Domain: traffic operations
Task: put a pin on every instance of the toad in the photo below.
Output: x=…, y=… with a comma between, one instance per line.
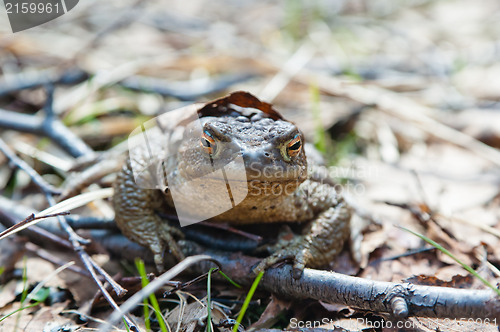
x=237, y=161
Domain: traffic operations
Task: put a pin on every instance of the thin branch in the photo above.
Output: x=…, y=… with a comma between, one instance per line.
x=29, y=80
x=91, y=175
x=9, y=217
x=26, y=223
x=54, y=130
x=42, y=253
x=182, y=285
x=85, y=222
x=378, y=296
x=37, y=179
x=89, y=265
x=185, y=91
x=49, y=126
x=398, y=299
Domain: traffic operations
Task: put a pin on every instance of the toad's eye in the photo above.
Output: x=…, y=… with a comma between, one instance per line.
x=208, y=142
x=292, y=148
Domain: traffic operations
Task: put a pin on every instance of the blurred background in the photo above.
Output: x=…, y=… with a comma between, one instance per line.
x=401, y=97
x=441, y=54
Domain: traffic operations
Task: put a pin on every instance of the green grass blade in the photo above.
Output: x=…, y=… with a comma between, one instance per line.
x=159, y=316
x=18, y=310
x=209, y=296
x=144, y=282
x=152, y=298
x=247, y=300
x=24, y=293
x=229, y=279
x=25, y=281
x=126, y=325
x=446, y=252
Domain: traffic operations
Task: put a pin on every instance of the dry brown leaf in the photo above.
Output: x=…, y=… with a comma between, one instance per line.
x=271, y=314
x=457, y=281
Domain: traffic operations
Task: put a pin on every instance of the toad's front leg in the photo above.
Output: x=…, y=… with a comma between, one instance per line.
x=136, y=216
x=321, y=241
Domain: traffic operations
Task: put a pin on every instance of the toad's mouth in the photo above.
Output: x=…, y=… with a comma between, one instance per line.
x=240, y=174
x=253, y=182
x=238, y=190
x=225, y=177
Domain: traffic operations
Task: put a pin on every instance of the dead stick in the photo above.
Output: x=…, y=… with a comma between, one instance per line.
x=49, y=126
x=53, y=129
x=30, y=79
x=398, y=299
x=21, y=164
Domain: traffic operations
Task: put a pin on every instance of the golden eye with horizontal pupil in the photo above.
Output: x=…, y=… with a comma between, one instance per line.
x=292, y=148
x=208, y=142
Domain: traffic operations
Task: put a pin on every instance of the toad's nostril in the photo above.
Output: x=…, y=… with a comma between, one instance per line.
x=267, y=154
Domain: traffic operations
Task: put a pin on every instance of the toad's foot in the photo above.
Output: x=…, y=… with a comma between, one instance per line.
x=297, y=250
x=323, y=239
x=157, y=235
x=168, y=237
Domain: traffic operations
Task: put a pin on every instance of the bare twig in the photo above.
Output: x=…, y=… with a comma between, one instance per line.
x=42, y=253
x=85, y=222
x=89, y=265
x=185, y=91
x=92, y=267
x=90, y=175
x=49, y=126
x=30, y=80
x=26, y=223
x=398, y=299
x=52, y=128
x=11, y=212
x=182, y=285
x=37, y=179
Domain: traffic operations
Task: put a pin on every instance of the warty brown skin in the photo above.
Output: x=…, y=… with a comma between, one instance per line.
x=284, y=193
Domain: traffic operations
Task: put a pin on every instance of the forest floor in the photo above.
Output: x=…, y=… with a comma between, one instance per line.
x=402, y=97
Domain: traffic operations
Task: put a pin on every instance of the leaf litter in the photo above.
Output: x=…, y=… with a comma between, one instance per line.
x=438, y=55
